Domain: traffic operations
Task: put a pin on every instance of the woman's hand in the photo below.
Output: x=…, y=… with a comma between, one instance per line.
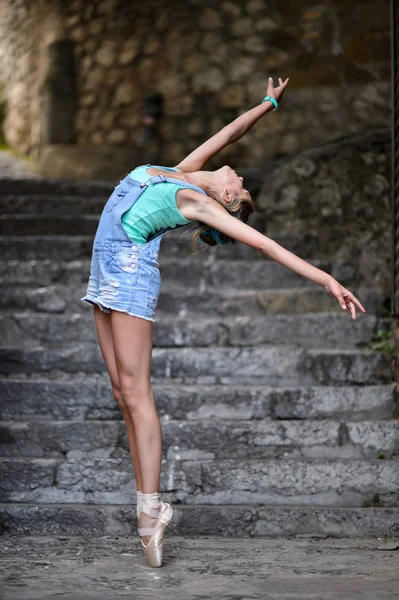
x=277, y=92
x=230, y=133
x=346, y=299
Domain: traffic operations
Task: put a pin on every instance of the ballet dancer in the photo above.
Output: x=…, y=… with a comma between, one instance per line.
x=125, y=281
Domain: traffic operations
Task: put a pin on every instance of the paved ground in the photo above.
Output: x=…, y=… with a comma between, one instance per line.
x=108, y=567
x=14, y=167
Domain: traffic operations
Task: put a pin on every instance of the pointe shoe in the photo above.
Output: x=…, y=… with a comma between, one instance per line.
x=154, y=548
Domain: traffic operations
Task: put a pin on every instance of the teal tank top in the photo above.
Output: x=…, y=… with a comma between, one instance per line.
x=155, y=209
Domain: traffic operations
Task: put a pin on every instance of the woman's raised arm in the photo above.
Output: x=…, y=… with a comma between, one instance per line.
x=231, y=132
x=213, y=214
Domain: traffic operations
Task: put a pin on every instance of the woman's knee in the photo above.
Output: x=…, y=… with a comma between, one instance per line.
x=117, y=393
x=136, y=395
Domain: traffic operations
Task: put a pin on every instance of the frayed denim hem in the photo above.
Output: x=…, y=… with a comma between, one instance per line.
x=102, y=304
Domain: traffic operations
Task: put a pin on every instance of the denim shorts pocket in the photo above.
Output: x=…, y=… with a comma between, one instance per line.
x=125, y=260
x=154, y=289
x=117, y=195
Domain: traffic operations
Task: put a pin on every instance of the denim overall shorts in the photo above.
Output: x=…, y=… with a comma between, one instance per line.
x=124, y=276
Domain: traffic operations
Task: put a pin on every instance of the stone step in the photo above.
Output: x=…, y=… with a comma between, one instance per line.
x=21, y=245
x=225, y=520
x=187, y=273
x=13, y=190
x=72, y=217
x=36, y=224
x=37, y=229
x=337, y=482
x=28, y=188
x=274, y=365
x=60, y=298
x=19, y=235
x=39, y=247
x=329, y=330
x=48, y=207
x=90, y=398
x=205, y=438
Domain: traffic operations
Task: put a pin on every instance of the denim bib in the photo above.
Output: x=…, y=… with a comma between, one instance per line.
x=125, y=276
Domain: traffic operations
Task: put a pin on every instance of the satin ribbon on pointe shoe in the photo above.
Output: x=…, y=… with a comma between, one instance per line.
x=138, y=504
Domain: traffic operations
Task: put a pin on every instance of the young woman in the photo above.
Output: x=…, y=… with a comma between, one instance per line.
x=124, y=285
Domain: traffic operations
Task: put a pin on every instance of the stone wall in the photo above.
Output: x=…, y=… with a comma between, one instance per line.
x=339, y=196
x=210, y=60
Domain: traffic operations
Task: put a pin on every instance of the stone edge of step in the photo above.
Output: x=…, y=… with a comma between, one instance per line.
x=233, y=520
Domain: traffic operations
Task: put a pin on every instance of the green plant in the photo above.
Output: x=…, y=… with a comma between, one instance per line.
x=382, y=342
x=375, y=501
x=380, y=454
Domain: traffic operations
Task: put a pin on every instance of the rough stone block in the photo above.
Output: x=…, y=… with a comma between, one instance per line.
x=90, y=398
x=212, y=438
x=347, y=482
x=314, y=331
x=276, y=365
x=226, y=521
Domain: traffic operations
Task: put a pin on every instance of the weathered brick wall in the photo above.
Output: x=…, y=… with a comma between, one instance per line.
x=211, y=61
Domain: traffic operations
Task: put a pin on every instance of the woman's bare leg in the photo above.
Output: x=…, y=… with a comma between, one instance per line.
x=104, y=334
x=132, y=342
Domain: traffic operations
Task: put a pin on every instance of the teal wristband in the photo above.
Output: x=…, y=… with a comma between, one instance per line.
x=272, y=100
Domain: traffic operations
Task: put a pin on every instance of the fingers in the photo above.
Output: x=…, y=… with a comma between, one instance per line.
x=351, y=303
x=341, y=300
x=352, y=310
x=278, y=91
x=280, y=81
x=345, y=298
x=353, y=299
x=356, y=301
x=350, y=307
x=348, y=302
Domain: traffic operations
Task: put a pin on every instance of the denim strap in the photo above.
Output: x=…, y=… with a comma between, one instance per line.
x=161, y=178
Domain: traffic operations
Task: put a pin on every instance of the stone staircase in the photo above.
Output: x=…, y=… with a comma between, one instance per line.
x=277, y=419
